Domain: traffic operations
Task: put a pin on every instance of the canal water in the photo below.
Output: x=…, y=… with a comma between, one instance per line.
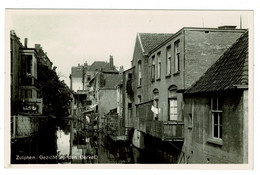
x=59, y=143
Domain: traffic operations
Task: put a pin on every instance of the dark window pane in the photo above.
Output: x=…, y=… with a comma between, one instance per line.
x=220, y=103
x=129, y=105
x=29, y=64
x=215, y=130
x=23, y=93
x=215, y=116
x=23, y=65
x=220, y=118
x=29, y=93
x=130, y=75
x=214, y=104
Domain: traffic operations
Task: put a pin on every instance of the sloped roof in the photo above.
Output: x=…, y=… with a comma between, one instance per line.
x=111, y=80
x=229, y=70
x=98, y=65
x=150, y=40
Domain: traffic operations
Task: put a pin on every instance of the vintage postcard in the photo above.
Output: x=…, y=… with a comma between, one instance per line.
x=167, y=89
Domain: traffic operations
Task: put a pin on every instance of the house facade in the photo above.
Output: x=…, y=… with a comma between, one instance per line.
x=84, y=81
x=216, y=110
x=24, y=87
x=26, y=102
x=164, y=66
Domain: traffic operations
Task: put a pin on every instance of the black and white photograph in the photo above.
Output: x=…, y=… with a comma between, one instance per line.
x=93, y=86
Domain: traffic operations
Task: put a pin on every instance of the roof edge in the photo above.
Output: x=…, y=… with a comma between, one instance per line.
x=140, y=41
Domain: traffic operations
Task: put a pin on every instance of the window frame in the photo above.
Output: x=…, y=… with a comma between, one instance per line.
x=175, y=115
x=158, y=65
x=139, y=73
x=168, y=60
x=172, y=95
x=153, y=69
x=219, y=124
x=177, y=56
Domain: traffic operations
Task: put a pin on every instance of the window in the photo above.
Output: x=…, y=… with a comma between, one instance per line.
x=168, y=60
x=159, y=65
x=88, y=77
x=129, y=75
x=129, y=105
x=216, y=117
x=156, y=103
x=177, y=56
x=26, y=65
x=173, y=103
x=153, y=68
x=139, y=99
x=26, y=93
x=139, y=74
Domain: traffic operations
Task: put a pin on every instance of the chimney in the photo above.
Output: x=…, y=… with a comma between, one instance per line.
x=86, y=64
x=25, y=42
x=13, y=32
x=121, y=69
x=111, y=62
x=37, y=47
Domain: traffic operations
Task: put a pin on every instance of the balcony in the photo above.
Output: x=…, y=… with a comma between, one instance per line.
x=165, y=130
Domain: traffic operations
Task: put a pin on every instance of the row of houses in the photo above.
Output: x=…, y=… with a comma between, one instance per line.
x=94, y=91
x=185, y=95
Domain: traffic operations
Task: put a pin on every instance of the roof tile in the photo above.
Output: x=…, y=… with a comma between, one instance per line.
x=151, y=40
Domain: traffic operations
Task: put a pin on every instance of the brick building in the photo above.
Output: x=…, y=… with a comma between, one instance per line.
x=26, y=102
x=164, y=66
x=24, y=87
x=215, y=110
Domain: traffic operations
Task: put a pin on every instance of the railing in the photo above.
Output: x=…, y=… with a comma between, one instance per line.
x=173, y=131
x=165, y=130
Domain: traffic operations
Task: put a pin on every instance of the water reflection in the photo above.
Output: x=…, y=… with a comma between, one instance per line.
x=61, y=143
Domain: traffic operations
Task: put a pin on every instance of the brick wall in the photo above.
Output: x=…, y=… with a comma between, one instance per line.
x=202, y=49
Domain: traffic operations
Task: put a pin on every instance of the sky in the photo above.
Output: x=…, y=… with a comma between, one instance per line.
x=71, y=37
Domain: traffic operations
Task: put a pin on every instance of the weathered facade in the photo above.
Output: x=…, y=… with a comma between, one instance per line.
x=84, y=81
x=24, y=87
x=215, y=110
x=165, y=65
x=105, y=91
x=26, y=104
